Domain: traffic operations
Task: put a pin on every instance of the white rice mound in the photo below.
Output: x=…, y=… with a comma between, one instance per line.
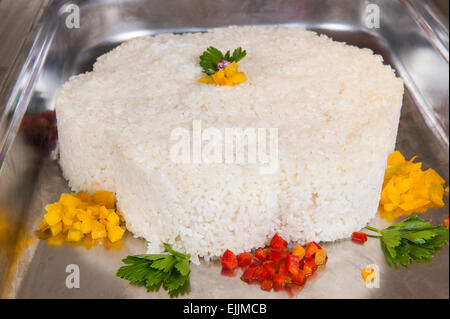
x=336, y=108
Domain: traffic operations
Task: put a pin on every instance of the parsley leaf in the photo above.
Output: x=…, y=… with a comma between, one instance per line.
x=211, y=56
x=171, y=271
x=412, y=239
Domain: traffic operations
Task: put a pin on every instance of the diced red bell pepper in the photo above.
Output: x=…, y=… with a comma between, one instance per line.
x=229, y=260
x=260, y=254
x=249, y=274
x=279, y=281
x=293, y=264
x=359, y=237
x=275, y=255
x=261, y=274
x=310, y=266
x=269, y=266
x=299, y=278
x=244, y=259
x=266, y=285
x=311, y=249
x=282, y=270
x=253, y=265
x=278, y=242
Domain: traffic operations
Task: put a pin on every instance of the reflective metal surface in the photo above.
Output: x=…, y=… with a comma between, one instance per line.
x=410, y=40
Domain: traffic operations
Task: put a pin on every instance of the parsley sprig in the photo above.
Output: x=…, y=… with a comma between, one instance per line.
x=410, y=240
x=211, y=56
x=171, y=271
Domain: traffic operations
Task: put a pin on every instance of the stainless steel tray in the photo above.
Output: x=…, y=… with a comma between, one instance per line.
x=409, y=38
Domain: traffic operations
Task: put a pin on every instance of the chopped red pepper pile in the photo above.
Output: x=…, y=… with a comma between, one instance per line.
x=276, y=266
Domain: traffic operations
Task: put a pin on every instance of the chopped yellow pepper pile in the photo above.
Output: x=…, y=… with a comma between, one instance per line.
x=408, y=189
x=228, y=76
x=82, y=217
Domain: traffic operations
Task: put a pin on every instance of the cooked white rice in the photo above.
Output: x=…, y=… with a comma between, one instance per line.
x=336, y=108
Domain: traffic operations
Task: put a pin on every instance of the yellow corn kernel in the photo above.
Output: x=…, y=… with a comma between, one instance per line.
x=320, y=257
x=104, y=198
x=115, y=233
x=74, y=235
x=56, y=228
x=98, y=230
x=299, y=251
x=446, y=191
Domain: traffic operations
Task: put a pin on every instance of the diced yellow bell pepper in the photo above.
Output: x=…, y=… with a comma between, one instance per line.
x=43, y=225
x=104, y=213
x=57, y=240
x=98, y=230
x=86, y=226
x=56, y=228
x=76, y=225
x=74, y=235
x=69, y=200
x=104, y=198
x=83, y=214
x=52, y=218
x=84, y=196
x=115, y=233
x=112, y=219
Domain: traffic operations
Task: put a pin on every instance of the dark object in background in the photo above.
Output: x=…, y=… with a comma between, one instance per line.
x=39, y=130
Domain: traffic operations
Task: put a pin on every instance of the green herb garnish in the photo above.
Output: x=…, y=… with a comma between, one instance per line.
x=410, y=240
x=171, y=271
x=211, y=56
